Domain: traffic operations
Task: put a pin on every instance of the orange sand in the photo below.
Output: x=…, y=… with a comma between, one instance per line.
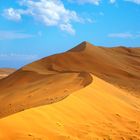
x=99, y=111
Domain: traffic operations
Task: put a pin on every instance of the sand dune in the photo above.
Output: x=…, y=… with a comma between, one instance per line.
x=38, y=90
x=114, y=65
x=104, y=103
x=5, y=72
x=99, y=111
x=54, y=78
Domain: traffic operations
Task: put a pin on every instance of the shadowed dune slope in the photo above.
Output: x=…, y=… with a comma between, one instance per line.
x=114, y=65
x=100, y=111
x=55, y=77
x=30, y=89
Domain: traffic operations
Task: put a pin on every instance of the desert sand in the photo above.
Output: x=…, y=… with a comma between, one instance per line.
x=99, y=111
x=5, y=72
x=93, y=94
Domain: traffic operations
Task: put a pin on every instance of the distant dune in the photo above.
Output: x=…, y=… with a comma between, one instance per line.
x=5, y=72
x=104, y=101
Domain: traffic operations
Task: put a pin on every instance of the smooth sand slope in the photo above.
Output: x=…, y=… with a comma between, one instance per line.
x=97, y=112
x=5, y=72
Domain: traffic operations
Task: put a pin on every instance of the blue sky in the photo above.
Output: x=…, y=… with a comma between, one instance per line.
x=32, y=29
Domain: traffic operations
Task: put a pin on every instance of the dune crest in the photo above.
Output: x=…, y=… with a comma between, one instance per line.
x=114, y=65
x=80, y=47
x=30, y=89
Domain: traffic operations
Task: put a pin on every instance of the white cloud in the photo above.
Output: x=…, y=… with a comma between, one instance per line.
x=68, y=28
x=12, y=14
x=95, y=2
x=134, y=1
x=49, y=12
x=10, y=35
x=124, y=35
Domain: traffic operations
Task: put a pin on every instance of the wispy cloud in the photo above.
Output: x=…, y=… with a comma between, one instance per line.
x=11, y=35
x=134, y=1
x=19, y=57
x=124, y=35
x=98, y=2
x=49, y=12
x=120, y=35
x=95, y=2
